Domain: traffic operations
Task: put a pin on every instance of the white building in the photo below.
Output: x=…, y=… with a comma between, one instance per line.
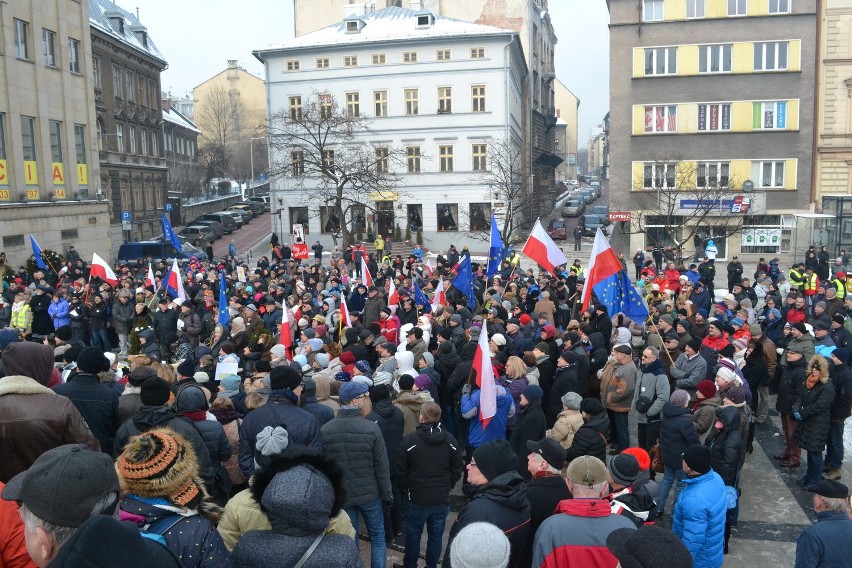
x=442, y=89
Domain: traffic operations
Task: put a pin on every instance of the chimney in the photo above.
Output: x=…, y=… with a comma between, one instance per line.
x=354, y=10
x=416, y=5
x=167, y=105
x=232, y=64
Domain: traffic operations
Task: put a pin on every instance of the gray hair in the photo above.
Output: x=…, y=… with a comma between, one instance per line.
x=833, y=504
x=106, y=505
x=654, y=351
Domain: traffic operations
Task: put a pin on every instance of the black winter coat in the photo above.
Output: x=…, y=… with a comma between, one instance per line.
x=726, y=444
x=841, y=378
x=815, y=407
x=164, y=322
x=543, y=494
x=677, y=432
x=429, y=462
x=791, y=383
x=566, y=380
x=391, y=422
x=98, y=405
x=501, y=502
x=321, y=412
x=583, y=364
x=531, y=425
x=590, y=439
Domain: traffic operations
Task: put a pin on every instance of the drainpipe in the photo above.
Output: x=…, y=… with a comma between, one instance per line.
x=818, y=66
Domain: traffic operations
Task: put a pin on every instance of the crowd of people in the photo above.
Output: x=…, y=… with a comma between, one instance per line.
x=141, y=427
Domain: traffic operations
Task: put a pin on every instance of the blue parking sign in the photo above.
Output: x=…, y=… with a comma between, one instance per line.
x=125, y=215
x=168, y=206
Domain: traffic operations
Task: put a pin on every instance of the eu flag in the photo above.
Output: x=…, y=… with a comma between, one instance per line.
x=37, y=253
x=421, y=299
x=496, y=250
x=464, y=280
x=619, y=296
x=224, y=314
x=170, y=235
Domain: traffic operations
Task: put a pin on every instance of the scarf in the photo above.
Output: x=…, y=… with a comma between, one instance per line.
x=195, y=415
x=225, y=415
x=812, y=381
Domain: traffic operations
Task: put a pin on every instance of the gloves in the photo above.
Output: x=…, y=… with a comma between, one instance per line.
x=797, y=415
x=466, y=390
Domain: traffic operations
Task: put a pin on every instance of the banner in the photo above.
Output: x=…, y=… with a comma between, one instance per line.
x=300, y=248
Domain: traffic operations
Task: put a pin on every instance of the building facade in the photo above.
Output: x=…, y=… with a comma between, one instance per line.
x=48, y=161
x=712, y=105
x=441, y=91
x=567, y=110
x=180, y=150
x=127, y=67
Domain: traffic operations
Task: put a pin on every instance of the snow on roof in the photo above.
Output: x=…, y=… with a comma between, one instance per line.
x=98, y=10
x=561, y=121
x=176, y=117
x=385, y=25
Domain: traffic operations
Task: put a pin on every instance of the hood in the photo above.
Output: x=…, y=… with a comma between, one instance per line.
x=596, y=339
x=150, y=417
x=29, y=359
x=306, y=511
x=351, y=336
x=729, y=416
x=599, y=422
x=671, y=411
x=431, y=434
x=409, y=398
x=816, y=362
x=404, y=361
x=147, y=334
x=383, y=408
x=507, y=490
x=468, y=350
x=549, y=331
x=585, y=507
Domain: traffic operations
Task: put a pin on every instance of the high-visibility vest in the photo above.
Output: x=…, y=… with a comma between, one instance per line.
x=841, y=287
x=796, y=278
x=811, y=284
x=20, y=318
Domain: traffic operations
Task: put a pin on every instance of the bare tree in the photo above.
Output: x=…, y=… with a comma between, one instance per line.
x=676, y=201
x=326, y=151
x=213, y=159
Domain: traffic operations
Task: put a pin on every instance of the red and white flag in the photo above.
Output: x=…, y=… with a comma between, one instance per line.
x=149, y=280
x=286, y=339
x=393, y=296
x=440, y=297
x=344, y=312
x=101, y=268
x=175, y=283
x=541, y=248
x=366, y=278
x=485, y=379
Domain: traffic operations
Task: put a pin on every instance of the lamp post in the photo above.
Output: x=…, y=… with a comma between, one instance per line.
x=251, y=159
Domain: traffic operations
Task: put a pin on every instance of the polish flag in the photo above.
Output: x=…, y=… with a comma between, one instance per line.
x=366, y=278
x=344, y=312
x=286, y=338
x=440, y=297
x=175, y=282
x=101, y=268
x=393, y=296
x=485, y=379
x=427, y=267
x=541, y=248
x=149, y=280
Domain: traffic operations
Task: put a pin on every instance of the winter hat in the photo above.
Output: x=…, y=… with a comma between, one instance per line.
x=229, y=382
x=202, y=376
x=269, y=443
x=92, y=360
x=284, y=377
x=533, y=393
x=352, y=390
x=429, y=358
x=379, y=392
x=736, y=395
x=495, y=458
x=187, y=368
x=474, y=332
x=343, y=377
x=641, y=455
x=727, y=351
x=706, y=388
x=315, y=344
x=800, y=327
x=161, y=463
x=499, y=339
x=423, y=382
x=740, y=344
x=278, y=351
x=525, y=319
x=154, y=392
x=573, y=337
x=624, y=469
x=841, y=354
x=694, y=344
x=406, y=382
x=572, y=400
x=543, y=347
x=587, y=470
x=310, y=333
x=679, y=397
x=139, y=374
x=191, y=398
x=480, y=545
x=726, y=374
x=775, y=312
x=667, y=318
x=592, y=406
x=8, y=336
x=703, y=312
x=755, y=329
x=64, y=332
x=737, y=322
x=648, y=547
x=569, y=357
x=347, y=358
x=698, y=458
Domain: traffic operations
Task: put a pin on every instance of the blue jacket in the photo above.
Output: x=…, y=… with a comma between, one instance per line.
x=59, y=312
x=496, y=429
x=826, y=543
x=699, y=519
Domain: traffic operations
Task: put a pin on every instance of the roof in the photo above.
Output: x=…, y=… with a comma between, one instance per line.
x=98, y=10
x=176, y=117
x=386, y=25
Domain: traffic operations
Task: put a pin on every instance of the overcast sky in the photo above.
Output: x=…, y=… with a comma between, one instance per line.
x=197, y=37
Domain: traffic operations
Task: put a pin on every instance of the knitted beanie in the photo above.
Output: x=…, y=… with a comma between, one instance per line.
x=269, y=443
x=480, y=545
x=706, y=388
x=160, y=463
x=624, y=468
x=679, y=397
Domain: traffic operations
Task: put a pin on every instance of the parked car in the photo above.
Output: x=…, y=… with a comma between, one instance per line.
x=573, y=208
x=595, y=185
x=574, y=183
x=256, y=206
x=557, y=230
x=590, y=224
x=237, y=217
x=589, y=193
x=248, y=212
x=158, y=250
x=601, y=210
x=228, y=223
x=198, y=235
x=261, y=199
x=218, y=230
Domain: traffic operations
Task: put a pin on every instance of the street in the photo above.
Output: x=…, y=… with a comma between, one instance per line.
x=246, y=238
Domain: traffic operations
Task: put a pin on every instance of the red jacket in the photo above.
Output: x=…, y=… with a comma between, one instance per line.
x=389, y=329
x=13, y=547
x=795, y=315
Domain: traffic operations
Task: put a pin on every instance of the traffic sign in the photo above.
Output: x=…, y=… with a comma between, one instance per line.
x=125, y=215
x=169, y=207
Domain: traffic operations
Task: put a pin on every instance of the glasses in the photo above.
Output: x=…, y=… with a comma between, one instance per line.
x=647, y=357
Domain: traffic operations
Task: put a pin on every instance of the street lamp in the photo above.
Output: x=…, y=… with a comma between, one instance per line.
x=251, y=159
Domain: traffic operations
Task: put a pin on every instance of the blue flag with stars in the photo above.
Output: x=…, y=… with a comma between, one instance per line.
x=37, y=253
x=496, y=250
x=464, y=280
x=421, y=299
x=618, y=295
x=224, y=314
x=170, y=235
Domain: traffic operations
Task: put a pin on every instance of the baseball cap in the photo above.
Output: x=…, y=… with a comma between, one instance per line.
x=587, y=470
x=550, y=450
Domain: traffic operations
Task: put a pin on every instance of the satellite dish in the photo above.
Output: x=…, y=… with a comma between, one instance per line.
x=748, y=186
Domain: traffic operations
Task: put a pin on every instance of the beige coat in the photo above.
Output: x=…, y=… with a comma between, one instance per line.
x=567, y=424
x=232, y=466
x=409, y=402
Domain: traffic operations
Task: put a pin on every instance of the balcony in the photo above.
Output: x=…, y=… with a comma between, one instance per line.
x=548, y=71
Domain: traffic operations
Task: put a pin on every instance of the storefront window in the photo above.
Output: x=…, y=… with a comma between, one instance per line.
x=415, y=217
x=448, y=214
x=329, y=220
x=299, y=215
x=480, y=216
x=762, y=235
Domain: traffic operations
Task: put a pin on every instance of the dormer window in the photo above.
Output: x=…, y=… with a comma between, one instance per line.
x=354, y=25
x=116, y=20
x=351, y=26
x=425, y=20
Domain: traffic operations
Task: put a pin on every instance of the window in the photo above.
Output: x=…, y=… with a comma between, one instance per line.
x=443, y=55
x=445, y=153
x=779, y=6
x=448, y=214
x=353, y=104
x=480, y=216
x=325, y=105
x=652, y=10
x=409, y=57
x=658, y=175
x=155, y=145
x=141, y=97
x=96, y=71
x=329, y=220
x=695, y=8
x=382, y=160
x=74, y=55
x=713, y=174
x=480, y=157
x=477, y=96
x=769, y=115
x=412, y=102
x=714, y=117
x=768, y=174
x=119, y=137
x=379, y=58
x=445, y=100
x=322, y=63
x=22, y=39
x=131, y=146
x=297, y=163
x=380, y=100
x=412, y=156
x=116, y=81
x=660, y=61
x=351, y=26
x=55, y=128
x=714, y=58
x=299, y=216
x=69, y=234
x=294, y=65
x=737, y=7
x=48, y=40
x=477, y=53
x=328, y=159
x=415, y=217
x=770, y=56
x=28, y=138
x=144, y=146
x=661, y=118
x=296, y=108
x=13, y=241
x=128, y=84
x=350, y=61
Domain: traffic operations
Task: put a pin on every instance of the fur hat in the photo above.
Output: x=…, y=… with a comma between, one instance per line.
x=139, y=374
x=92, y=360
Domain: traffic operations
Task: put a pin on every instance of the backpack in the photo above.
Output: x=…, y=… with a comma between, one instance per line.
x=155, y=531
